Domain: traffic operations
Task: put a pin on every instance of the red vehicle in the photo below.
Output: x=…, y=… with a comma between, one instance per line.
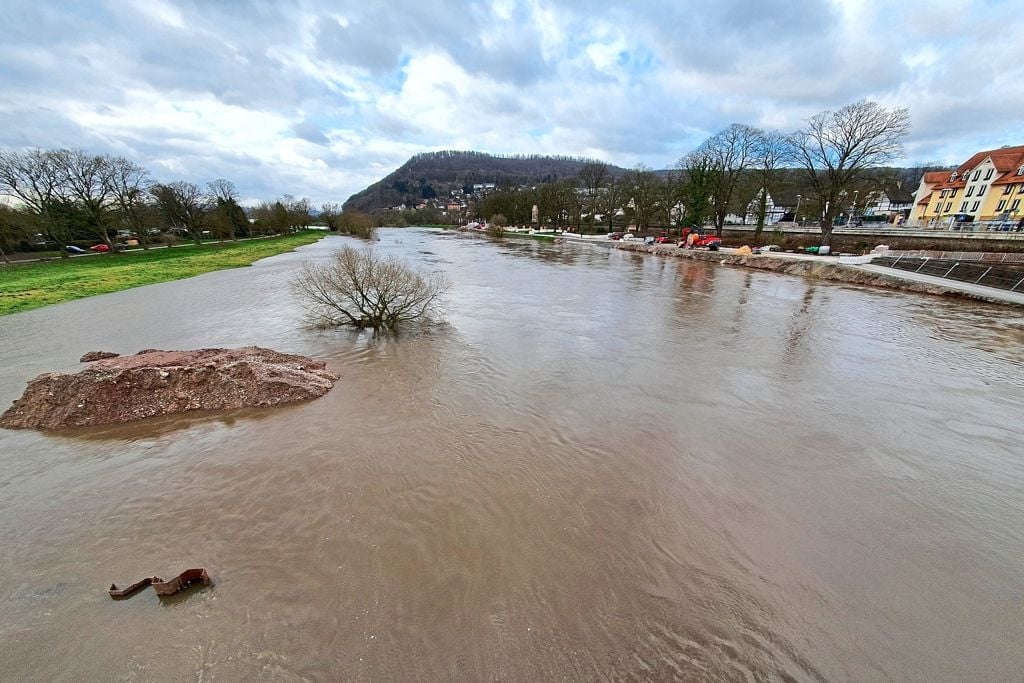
x=102, y=248
x=701, y=240
x=710, y=241
x=663, y=238
x=615, y=236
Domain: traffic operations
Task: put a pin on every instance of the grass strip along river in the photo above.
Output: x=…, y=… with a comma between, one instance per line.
x=41, y=283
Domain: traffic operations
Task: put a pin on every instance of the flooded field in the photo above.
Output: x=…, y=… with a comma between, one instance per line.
x=607, y=466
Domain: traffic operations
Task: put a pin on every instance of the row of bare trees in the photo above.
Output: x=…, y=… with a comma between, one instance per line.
x=66, y=194
x=835, y=154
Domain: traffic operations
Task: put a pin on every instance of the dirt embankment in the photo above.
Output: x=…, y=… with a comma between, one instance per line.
x=824, y=269
x=120, y=389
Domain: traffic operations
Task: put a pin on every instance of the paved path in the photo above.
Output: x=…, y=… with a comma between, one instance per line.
x=975, y=290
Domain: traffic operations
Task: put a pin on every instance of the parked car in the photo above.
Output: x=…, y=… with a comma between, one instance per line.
x=663, y=239
x=615, y=235
x=72, y=249
x=101, y=248
x=629, y=236
x=768, y=248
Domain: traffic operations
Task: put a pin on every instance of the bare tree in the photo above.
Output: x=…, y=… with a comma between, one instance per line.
x=358, y=288
x=228, y=216
x=86, y=181
x=836, y=148
x=730, y=152
x=358, y=224
x=496, y=226
x=331, y=215
x=298, y=212
x=645, y=192
x=129, y=182
x=32, y=178
x=13, y=227
x=554, y=202
x=612, y=198
x=700, y=178
x=184, y=206
x=772, y=150
x=593, y=177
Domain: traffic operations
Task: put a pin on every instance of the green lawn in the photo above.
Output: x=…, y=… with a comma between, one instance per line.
x=32, y=285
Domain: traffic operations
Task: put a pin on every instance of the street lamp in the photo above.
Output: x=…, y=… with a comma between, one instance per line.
x=795, y=212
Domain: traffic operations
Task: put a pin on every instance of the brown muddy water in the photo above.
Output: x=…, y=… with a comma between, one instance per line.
x=609, y=466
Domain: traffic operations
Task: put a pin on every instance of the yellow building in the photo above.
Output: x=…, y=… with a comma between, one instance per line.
x=988, y=190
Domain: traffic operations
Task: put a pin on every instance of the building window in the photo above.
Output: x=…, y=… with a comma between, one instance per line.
x=1020, y=171
x=1001, y=205
x=975, y=207
x=1020, y=190
x=949, y=205
x=963, y=208
x=1008, y=189
x=943, y=193
x=938, y=206
x=952, y=176
x=988, y=173
x=977, y=174
x=952, y=193
x=970, y=191
x=1015, y=205
x=981, y=190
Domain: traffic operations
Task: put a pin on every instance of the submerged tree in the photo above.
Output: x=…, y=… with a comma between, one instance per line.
x=358, y=288
x=496, y=226
x=358, y=224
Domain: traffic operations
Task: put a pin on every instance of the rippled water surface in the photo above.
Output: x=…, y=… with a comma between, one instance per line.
x=608, y=466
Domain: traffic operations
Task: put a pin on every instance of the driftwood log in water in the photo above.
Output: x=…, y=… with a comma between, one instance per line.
x=161, y=587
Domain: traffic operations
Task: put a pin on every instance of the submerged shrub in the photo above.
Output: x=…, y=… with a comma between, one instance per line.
x=359, y=288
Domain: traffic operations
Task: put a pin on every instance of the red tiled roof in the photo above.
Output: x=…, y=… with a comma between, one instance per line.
x=1008, y=162
x=936, y=176
x=981, y=156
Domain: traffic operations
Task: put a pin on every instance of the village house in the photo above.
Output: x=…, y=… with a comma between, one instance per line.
x=779, y=207
x=894, y=204
x=987, y=189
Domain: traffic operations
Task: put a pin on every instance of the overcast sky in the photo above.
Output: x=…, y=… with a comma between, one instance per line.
x=321, y=99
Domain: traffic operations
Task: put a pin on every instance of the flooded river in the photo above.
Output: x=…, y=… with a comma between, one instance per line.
x=608, y=466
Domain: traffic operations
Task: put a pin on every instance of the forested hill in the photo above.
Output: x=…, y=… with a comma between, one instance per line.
x=435, y=174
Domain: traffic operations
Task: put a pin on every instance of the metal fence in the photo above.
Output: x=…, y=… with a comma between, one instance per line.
x=1009, y=276
x=986, y=256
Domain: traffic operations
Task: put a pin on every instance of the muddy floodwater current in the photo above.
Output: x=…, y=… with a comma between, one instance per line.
x=607, y=466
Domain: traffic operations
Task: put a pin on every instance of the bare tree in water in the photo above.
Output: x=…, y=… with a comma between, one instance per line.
x=359, y=288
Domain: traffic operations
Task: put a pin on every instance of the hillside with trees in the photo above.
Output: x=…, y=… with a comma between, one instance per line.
x=830, y=171
x=436, y=174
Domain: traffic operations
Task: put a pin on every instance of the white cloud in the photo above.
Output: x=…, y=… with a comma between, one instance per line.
x=283, y=98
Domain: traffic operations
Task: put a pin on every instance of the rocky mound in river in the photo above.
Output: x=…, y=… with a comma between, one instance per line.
x=153, y=382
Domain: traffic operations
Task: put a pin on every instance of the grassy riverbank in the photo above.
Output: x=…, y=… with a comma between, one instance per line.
x=31, y=285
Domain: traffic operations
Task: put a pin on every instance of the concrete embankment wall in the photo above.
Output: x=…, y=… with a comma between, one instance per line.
x=938, y=241
x=823, y=269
